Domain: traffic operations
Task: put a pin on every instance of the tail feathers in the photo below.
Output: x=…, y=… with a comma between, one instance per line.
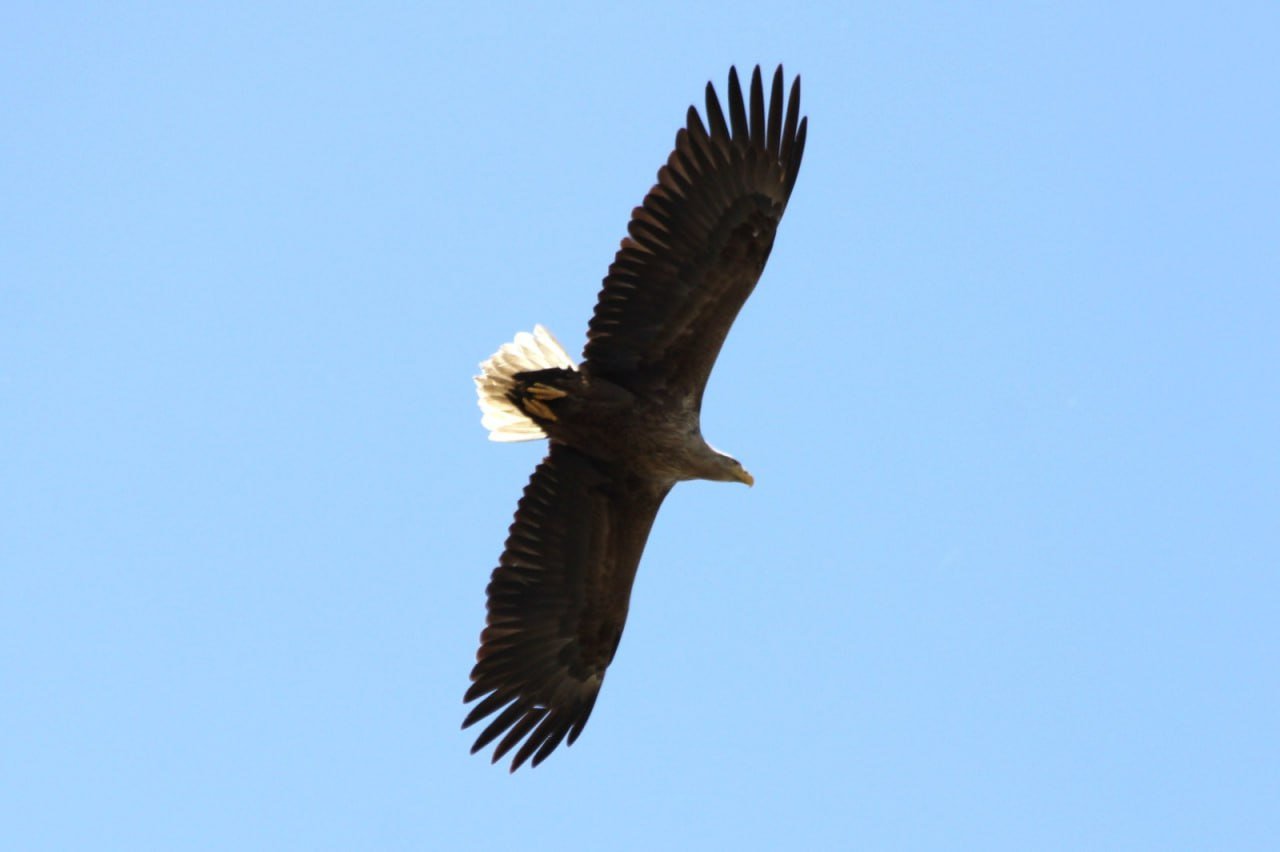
x=527, y=353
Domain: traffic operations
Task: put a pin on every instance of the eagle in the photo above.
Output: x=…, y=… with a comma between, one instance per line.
x=623, y=426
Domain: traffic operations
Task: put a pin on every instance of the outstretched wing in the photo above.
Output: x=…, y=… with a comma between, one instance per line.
x=557, y=602
x=698, y=244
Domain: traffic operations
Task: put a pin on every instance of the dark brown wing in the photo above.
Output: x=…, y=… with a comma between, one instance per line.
x=557, y=602
x=699, y=243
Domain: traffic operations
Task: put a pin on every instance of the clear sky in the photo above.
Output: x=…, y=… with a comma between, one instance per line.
x=1010, y=388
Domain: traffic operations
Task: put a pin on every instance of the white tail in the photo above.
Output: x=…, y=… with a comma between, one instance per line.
x=528, y=352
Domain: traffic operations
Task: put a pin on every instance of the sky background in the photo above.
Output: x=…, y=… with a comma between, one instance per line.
x=1010, y=388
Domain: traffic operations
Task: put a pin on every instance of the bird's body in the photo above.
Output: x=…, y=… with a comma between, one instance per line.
x=624, y=425
x=652, y=436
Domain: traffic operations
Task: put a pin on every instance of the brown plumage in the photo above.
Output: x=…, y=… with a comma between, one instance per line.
x=624, y=425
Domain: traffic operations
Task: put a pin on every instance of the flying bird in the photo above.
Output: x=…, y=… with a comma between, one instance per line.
x=623, y=426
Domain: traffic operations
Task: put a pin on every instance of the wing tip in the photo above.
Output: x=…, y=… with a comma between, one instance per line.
x=772, y=124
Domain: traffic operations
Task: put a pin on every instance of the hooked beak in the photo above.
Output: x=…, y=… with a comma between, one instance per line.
x=745, y=478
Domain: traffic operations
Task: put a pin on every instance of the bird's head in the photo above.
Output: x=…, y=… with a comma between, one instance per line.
x=729, y=469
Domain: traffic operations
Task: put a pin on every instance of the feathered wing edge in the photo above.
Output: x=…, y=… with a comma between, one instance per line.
x=527, y=353
x=557, y=604
x=697, y=245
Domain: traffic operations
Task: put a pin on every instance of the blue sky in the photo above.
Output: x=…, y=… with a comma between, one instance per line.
x=1010, y=388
